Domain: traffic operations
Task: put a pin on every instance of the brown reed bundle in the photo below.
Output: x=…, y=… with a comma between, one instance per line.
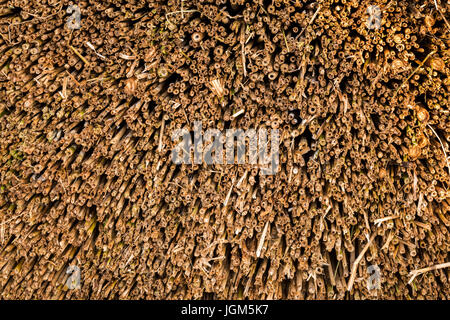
x=87, y=183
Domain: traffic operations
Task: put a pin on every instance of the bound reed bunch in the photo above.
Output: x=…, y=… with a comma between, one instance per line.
x=88, y=107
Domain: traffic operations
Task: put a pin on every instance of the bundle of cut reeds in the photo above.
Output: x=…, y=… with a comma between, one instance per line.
x=91, y=94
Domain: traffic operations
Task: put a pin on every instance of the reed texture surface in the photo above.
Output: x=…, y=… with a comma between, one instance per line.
x=92, y=206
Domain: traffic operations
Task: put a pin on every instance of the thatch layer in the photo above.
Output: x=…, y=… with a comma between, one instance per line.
x=88, y=107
